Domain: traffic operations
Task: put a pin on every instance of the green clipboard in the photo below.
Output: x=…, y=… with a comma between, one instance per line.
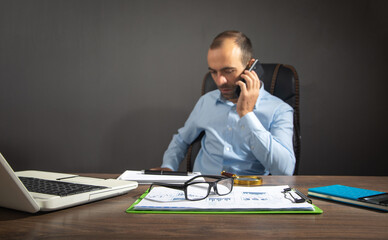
x=131, y=209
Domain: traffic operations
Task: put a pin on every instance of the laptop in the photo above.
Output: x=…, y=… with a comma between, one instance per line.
x=33, y=191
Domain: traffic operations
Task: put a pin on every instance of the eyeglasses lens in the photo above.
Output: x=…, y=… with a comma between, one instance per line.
x=224, y=186
x=197, y=191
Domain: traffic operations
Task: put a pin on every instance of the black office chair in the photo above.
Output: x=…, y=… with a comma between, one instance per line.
x=280, y=80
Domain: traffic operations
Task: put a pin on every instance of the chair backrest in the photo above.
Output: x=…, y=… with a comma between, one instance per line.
x=281, y=81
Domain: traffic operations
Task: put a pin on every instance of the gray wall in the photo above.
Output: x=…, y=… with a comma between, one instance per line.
x=101, y=86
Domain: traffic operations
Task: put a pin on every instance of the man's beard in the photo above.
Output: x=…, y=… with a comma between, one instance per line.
x=231, y=91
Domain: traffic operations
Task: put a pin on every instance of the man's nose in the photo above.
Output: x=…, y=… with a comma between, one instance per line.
x=220, y=79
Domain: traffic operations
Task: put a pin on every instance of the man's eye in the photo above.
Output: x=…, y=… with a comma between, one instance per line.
x=229, y=71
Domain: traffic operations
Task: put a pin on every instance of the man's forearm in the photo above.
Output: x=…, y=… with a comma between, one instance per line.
x=175, y=153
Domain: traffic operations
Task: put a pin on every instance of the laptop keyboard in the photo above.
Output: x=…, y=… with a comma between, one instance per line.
x=55, y=187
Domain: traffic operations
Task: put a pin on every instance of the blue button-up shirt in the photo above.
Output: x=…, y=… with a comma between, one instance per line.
x=259, y=143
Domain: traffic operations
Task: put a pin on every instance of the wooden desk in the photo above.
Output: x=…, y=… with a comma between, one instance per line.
x=107, y=219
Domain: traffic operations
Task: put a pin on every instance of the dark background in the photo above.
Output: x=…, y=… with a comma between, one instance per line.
x=101, y=86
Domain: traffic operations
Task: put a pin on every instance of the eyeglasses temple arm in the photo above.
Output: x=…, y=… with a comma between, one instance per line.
x=169, y=185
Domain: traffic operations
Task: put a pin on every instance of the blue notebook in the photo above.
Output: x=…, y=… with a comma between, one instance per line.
x=351, y=195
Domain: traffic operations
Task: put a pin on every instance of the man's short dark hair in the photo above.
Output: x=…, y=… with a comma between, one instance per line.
x=240, y=39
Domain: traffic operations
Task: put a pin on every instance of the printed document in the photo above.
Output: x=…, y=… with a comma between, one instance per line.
x=241, y=198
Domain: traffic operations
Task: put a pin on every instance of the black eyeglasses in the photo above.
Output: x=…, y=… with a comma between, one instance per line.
x=199, y=187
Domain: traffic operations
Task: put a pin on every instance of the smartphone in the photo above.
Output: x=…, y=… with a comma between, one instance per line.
x=380, y=199
x=250, y=68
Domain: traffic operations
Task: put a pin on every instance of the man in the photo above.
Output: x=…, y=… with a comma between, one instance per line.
x=246, y=135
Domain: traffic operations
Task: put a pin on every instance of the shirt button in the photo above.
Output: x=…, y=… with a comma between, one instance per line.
x=227, y=149
x=242, y=126
x=229, y=128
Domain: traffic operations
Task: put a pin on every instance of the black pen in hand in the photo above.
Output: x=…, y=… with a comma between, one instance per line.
x=161, y=172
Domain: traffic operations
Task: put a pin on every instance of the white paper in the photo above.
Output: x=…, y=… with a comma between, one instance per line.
x=142, y=178
x=249, y=198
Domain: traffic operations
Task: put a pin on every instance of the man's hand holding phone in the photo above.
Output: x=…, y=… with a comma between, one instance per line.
x=249, y=92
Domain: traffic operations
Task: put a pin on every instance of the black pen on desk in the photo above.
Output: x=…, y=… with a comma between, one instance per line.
x=161, y=172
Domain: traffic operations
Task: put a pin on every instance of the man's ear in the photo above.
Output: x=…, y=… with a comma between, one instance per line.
x=251, y=62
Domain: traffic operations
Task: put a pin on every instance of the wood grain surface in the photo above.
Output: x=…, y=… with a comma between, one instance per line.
x=107, y=219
